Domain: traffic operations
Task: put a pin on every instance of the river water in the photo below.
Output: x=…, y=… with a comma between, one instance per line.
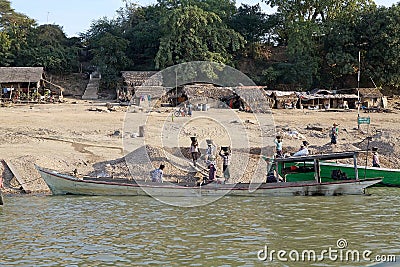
x=233, y=231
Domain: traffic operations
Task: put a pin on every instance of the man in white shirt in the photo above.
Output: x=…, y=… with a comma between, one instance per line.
x=302, y=152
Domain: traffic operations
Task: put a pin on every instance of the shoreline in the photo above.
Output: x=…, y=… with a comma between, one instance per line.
x=88, y=137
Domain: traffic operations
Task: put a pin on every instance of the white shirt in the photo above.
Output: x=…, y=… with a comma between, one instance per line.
x=302, y=152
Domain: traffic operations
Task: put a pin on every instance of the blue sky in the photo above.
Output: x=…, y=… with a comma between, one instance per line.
x=75, y=16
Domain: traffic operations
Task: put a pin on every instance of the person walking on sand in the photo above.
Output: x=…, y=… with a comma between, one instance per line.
x=190, y=108
x=157, y=174
x=334, y=133
x=278, y=148
x=375, y=158
x=226, y=157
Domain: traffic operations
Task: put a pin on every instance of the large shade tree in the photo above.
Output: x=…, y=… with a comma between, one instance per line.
x=14, y=28
x=190, y=34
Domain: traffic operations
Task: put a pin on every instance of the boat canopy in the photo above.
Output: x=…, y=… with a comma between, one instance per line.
x=330, y=156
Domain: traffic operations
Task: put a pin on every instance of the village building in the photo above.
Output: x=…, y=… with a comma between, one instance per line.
x=20, y=82
x=283, y=99
x=27, y=84
x=326, y=99
x=140, y=86
x=371, y=98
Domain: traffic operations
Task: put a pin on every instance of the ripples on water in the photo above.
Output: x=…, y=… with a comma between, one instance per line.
x=140, y=231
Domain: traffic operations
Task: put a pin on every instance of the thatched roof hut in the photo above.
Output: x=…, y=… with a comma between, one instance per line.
x=371, y=97
x=143, y=83
x=20, y=75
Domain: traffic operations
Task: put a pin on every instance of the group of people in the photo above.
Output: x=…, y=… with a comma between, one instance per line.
x=186, y=110
x=210, y=158
x=303, y=151
x=210, y=161
x=225, y=153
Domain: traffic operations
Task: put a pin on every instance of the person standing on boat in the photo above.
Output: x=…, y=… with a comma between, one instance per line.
x=375, y=158
x=334, y=133
x=226, y=157
x=212, y=172
x=278, y=143
x=194, y=149
x=157, y=174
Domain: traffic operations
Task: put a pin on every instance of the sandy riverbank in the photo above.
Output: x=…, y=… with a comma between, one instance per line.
x=72, y=136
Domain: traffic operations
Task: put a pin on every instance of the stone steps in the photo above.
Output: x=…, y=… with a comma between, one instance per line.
x=92, y=89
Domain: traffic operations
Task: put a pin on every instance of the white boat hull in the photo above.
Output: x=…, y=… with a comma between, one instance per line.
x=61, y=184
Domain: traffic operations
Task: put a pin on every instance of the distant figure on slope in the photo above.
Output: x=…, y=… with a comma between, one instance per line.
x=334, y=133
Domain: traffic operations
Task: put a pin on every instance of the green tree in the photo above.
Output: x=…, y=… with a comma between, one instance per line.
x=250, y=22
x=190, y=34
x=379, y=44
x=107, y=47
x=48, y=46
x=14, y=28
x=141, y=28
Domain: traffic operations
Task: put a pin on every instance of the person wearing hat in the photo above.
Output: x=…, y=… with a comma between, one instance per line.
x=334, y=133
x=375, y=158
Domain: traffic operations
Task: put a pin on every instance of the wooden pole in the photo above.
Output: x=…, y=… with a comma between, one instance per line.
x=317, y=169
x=355, y=166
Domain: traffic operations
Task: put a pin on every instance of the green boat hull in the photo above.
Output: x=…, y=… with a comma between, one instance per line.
x=391, y=177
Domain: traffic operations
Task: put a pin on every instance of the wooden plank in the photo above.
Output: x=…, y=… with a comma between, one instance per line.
x=20, y=180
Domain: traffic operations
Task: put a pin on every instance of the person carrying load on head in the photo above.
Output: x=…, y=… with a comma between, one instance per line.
x=210, y=153
x=225, y=153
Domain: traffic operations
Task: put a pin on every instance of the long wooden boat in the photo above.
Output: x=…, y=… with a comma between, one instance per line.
x=62, y=184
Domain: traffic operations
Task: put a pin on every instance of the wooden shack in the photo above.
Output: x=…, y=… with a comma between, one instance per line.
x=141, y=85
x=284, y=99
x=371, y=97
x=20, y=81
x=326, y=99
